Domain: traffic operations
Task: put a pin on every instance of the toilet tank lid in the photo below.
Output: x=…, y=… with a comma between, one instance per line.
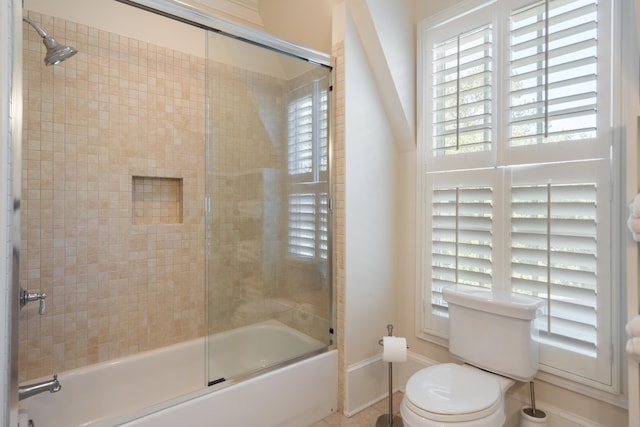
x=503, y=303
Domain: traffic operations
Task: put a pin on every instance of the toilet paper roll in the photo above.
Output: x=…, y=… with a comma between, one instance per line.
x=633, y=327
x=634, y=207
x=634, y=224
x=633, y=348
x=395, y=349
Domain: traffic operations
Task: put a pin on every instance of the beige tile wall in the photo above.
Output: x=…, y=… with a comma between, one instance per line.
x=251, y=277
x=119, y=108
x=240, y=154
x=339, y=215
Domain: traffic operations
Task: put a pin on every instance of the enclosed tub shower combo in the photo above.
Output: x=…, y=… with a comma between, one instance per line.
x=176, y=219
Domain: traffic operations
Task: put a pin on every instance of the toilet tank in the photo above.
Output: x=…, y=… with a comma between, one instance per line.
x=494, y=330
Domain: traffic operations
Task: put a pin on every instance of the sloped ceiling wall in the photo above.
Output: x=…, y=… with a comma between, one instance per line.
x=387, y=33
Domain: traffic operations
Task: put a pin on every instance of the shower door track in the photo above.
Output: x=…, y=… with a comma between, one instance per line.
x=190, y=15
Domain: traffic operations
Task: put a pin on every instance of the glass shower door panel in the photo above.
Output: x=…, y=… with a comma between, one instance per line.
x=268, y=218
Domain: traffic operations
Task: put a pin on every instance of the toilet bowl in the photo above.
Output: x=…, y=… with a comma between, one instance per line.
x=454, y=395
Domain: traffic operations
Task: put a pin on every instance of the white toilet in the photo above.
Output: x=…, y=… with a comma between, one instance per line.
x=494, y=334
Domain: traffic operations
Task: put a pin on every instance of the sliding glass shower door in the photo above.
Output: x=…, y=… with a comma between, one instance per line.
x=268, y=207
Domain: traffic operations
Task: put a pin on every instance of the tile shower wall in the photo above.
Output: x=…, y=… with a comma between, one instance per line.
x=119, y=109
x=339, y=217
x=113, y=189
x=244, y=157
x=251, y=278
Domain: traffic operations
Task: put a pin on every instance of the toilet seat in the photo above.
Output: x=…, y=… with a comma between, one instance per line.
x=453, y=393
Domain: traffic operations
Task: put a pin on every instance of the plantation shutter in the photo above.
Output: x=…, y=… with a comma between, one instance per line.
x=308, y=145
x=554, y=72
x=462, y=93
x=302, y=224
x=461, y=240
x=554, y=255
x=323, y=132
x=300, y=131
x=322, y=169
x=522, y=201
x=323, y=227
x=308, y=212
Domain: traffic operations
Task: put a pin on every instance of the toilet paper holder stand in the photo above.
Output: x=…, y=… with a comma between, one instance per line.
x=389, y=420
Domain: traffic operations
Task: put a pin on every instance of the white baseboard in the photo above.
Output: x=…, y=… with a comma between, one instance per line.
x=367, y=384
x=368, y=380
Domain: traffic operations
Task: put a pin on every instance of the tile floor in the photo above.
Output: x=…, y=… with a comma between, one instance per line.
x=365, y=418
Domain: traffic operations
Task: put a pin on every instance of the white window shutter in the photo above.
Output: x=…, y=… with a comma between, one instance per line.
x=560, y=251
x=462, y=93
x=308, y=206
x=461, y=240
x=323, y=132
x=323, y=226
x=302, y=224
x=308, y=225
x=553, y=72
x=300, y=131
x=554, y=256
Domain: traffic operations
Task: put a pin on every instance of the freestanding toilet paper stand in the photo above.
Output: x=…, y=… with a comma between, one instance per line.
x=389, y=420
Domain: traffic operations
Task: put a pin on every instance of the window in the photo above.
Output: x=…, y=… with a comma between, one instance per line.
x=554, y=253
x=462, y=92
x=553, y=72
x=308, y=224
x=515, y=170
x=307, y=169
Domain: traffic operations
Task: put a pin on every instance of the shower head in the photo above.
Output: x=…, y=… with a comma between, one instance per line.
x=56, y=52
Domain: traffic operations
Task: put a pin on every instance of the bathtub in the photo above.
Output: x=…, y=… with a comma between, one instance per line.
x=141, y=390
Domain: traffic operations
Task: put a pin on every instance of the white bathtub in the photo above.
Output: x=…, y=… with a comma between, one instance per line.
x=255, y=347
x=141, y=390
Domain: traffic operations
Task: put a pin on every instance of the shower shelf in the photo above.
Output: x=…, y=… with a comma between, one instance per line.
x=156, y=200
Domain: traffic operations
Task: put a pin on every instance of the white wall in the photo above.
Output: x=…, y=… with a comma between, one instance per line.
x=373, y=169
x=370, y=222
x=305, y=22
x=397, y=36
x=370, y=217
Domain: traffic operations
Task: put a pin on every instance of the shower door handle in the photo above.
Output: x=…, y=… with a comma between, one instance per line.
x=26, y=297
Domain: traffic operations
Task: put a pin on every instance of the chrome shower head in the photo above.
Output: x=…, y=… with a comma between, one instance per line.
x=56, y=52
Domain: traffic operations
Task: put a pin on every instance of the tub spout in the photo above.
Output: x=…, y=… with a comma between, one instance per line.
x=51, y=386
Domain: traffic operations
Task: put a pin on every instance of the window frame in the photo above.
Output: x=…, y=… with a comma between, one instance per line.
x=498, y=158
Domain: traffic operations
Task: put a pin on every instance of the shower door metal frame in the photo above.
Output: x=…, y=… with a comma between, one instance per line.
x=11, y=80
x=191, y=15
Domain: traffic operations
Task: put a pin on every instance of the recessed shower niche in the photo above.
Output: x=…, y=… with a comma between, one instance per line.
x=156, y=200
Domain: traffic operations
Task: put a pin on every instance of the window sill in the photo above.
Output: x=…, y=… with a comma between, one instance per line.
x=610, y=397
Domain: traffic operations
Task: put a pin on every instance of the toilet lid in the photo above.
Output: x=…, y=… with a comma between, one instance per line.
x=452, y=390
